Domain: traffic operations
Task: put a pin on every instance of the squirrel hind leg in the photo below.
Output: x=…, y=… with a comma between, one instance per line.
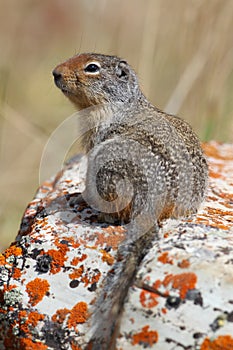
x=117, y=218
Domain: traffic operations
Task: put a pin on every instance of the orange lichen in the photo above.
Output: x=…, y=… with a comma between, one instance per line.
x=219, y=212
x=9, y=340
x=165, y=259
x=60, y=315
x=221, y=226
x=148, y=299
x=59, y=256
x=223, y=342
x=227, y=204
x=213, y=222
x=211, y=150
x=2, y=259
x=111, y=236
x=164, y=310
x=28, y=321
x=146, y=337
x=76, y=260
x=63, y=247
x=75, y=347
x=9, y=287
x=183, y=264
x=183, y=282
x=26, y=343
x=93, y=279
x=13, y=250
x=157, y=284
x=36, y=290
x=225, y=195
x=47, y=184
x=22, y=320
x=16, y=273
x=77, y=273
x=215, y=175
x=58, y=259
x=90, y=247
x=34, y=317
x=22, y=314
x=72, y=241
x=108, y=258
x=41, y=223
x=78, y=314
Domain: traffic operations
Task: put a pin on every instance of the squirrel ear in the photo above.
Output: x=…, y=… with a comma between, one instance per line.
x=122, y=70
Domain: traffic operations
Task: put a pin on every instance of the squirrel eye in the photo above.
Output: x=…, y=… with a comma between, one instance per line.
x=92, y=68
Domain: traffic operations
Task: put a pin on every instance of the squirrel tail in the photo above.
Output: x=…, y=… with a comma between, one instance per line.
x=108, y=309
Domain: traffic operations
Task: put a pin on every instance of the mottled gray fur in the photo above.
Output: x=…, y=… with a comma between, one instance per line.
x=139, y=158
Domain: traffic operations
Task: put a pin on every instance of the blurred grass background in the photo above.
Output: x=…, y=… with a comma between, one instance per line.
x=182, y=51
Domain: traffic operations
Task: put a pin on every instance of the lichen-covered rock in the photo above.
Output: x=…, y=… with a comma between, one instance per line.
x=182, y=297
x=183, y=293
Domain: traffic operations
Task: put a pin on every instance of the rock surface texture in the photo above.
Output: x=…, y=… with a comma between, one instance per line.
x=182, y=297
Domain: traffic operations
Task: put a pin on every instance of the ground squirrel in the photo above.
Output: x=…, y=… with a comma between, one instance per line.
x=143, y=166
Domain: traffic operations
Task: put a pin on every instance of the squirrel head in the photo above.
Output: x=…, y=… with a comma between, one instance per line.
x=91, y=79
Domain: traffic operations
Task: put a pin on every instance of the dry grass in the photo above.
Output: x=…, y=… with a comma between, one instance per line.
x=182, y=50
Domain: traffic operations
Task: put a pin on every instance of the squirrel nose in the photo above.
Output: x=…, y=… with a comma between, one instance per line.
x=57, y=76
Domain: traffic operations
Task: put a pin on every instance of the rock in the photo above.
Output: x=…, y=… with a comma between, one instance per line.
x=182, y=297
